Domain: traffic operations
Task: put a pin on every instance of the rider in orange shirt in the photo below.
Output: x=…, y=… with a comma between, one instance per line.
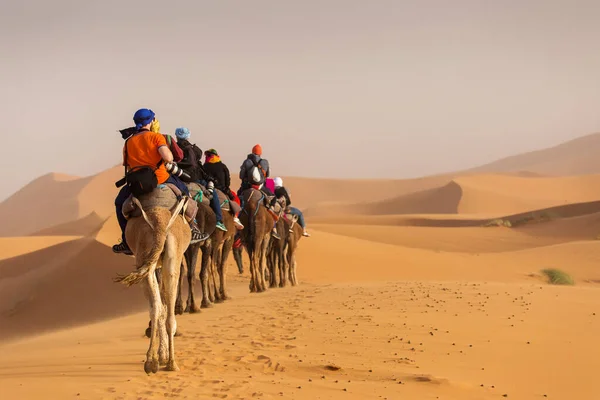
x=146, y=148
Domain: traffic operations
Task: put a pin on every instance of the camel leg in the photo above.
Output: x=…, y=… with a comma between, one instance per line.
x=216, y=260
x=282, y=269
x=163, y=344
x=192, y=257
x=289, y=262
x=284, y=264
x=293, y=278
x=263, y=264
x=204, y=276
x=237, y=254
x=272, y=264
x=170, y=277
x=255, y=265
x=227, y=246
x=179, y=303
x=151, y=364
x=254, y=256
x=212, y=283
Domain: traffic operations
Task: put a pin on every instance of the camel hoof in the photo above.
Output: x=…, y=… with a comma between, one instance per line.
x=151, y=366
x=194, y=309
x=172, y=366
x=179, y=309
x=206, y=304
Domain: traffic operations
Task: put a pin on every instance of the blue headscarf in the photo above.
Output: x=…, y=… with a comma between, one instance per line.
x=143, y=116
x=182, y=133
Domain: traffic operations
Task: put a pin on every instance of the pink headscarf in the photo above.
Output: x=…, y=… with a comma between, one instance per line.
x=270, y=184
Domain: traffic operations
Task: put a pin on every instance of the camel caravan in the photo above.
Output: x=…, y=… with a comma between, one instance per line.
x=173, y=208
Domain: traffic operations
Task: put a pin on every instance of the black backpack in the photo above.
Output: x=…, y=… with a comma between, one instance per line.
x=191, y=159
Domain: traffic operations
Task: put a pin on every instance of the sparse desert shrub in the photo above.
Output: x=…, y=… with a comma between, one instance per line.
x=558, y=277
x=536, y=216
x=498, y=222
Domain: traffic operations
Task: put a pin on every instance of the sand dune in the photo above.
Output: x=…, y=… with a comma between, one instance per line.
x=463, y=240
x=65, y=284
x=402, y=287
x=82, y=227
x=54, y=200
x=575, y=157
x=482, y=194
x=68, y=199
x=47, y=201
x=17, y=246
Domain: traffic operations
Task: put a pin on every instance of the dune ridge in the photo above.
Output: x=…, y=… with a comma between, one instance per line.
x=477, y=194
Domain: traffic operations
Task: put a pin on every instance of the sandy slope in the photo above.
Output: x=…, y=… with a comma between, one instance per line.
x=401, y=287
x=479, y=194
x=575, y=157
x=82, y=226
x=54, y=199
x=17, y=246
x=68, y=283
x=399, y=321
x=391, y=340
x=468, y=239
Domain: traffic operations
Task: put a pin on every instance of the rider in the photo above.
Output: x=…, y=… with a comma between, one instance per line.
x=147, y=148
x=250, y=177
x=246, y=169
x=281, y=192
x=172, y=143
x=155, y=127
x=193, y=166
x=214, y=167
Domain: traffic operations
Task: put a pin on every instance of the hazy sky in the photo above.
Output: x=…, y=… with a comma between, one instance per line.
x=329, y=88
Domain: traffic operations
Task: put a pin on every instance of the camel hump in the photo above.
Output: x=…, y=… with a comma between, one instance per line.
x=198, y=192
x=223, y=200
x=163, y=196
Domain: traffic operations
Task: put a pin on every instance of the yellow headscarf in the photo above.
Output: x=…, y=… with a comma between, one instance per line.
x=155, y=126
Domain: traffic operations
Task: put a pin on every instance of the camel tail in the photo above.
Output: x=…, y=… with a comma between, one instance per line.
x=159, y=220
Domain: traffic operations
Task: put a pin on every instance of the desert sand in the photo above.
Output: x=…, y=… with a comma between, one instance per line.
x=408, y=289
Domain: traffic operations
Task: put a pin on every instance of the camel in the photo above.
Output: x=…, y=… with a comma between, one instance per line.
x=206, y=220
x=279, y=263
x=293, y=237
x=256, y=235
x=275, y=256
x=215, y=252
x=158, y=240
x=221, y=244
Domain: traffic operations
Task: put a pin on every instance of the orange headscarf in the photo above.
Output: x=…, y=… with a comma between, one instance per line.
x=257, y=150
